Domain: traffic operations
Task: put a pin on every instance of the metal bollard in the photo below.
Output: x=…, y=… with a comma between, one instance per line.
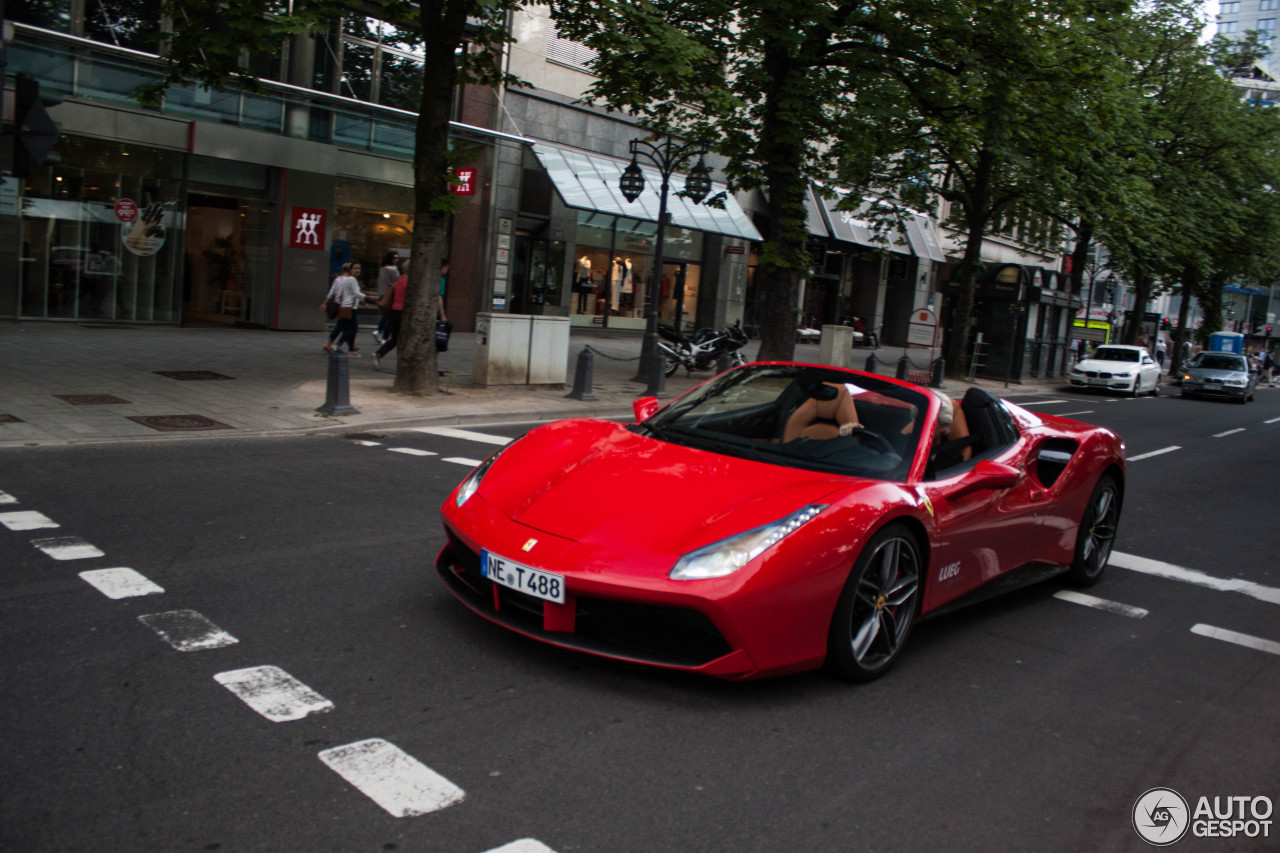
x=873, y=364
x=336, y=399
x=724, y=362
x=939, y=368
x=904, y=366
x=582, y=380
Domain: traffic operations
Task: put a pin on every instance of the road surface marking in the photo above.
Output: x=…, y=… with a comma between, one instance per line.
x=67, y=548
x=462, y=460
x=1100, y=603
x=469, y=435
x=1229, y=432
x=274, y=693
x=1159, y=452
x=1041, y=403
x=363, y=443
x=412, y=451
x=1070, y=414
x=27, y=520
x=120, y=583
x=1239, y=639
x=393, y=779
x=6, y=498
x=187, y=630
x=524, y=845
x=1272, y=421
x=1178, y=573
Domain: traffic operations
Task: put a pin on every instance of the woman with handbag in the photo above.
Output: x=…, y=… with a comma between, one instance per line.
x=346, y=292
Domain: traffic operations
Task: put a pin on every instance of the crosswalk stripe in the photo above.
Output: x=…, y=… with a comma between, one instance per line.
x=120, y=583
x=469, y=435
x=6, y=498
x=523, y=845
x=27, y=520
x=412, y=451
x=67, y=548
x=187, y=630
x=395, y=780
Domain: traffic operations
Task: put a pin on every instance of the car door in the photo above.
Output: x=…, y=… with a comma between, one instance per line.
x=985, y=524
x=1149, y=375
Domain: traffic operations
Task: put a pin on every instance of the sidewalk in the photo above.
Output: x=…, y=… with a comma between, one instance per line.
x=65, y=383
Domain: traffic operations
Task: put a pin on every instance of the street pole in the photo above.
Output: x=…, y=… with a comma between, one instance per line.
x=667, y=157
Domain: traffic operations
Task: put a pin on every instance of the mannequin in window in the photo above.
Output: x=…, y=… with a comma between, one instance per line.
x=621, y=279
x=582, y=283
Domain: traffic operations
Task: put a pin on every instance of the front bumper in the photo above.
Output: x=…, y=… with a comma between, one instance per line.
x=1213, y=389
x=1102, y=383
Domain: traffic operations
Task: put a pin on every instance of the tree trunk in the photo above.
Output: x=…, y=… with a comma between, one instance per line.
x=1189, y=277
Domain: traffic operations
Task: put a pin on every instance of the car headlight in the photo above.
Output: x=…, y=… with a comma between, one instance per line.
x=728, y=555
x=1236, y=383
x=472, y=484
x=1122, y=375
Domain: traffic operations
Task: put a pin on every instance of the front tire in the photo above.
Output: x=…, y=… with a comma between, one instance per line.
x=671, y=365
x=877, y=608
x=1097, y=533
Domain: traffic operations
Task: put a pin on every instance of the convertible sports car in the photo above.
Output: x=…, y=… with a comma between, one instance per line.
x=776, y=518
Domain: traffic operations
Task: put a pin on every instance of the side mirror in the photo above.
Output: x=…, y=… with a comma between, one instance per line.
x=645, y=408
x=987, y=475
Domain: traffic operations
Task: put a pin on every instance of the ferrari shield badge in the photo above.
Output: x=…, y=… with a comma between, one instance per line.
x=528, y=546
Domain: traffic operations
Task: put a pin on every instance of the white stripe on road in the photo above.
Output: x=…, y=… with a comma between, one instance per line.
x=1159, y=452
x=120, y=583
x=1228, y=432
x=1041, y=403
x=6, y=498
x=450, y=432
x=67, y=548
x=1100, y=603
x=1134, y=563
x=1272, y=421
x=274, y=693
x=26, y=520
x=412, y=451
x=524, y=845
x=462, y=460
x=1239, y=639
x=187, y=630
x=1072, y=414
x=393, y=779
x=364, y=443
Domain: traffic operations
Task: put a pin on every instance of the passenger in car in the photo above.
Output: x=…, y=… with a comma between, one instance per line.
x=829, y=415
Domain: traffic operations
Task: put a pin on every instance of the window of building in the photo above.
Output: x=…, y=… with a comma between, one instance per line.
x=1268, y=5
x=1229, y=7
x=381, y=63
x=1267, y=28
x=125, y=23
x=1225, y=27
x=566, y=52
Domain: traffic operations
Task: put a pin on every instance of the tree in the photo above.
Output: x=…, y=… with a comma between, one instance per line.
x=461, y=40
x=763, y=83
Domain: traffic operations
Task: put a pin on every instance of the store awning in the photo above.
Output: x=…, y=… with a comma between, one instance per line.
x=854, y=226
x=590, y=182
x=923, y=235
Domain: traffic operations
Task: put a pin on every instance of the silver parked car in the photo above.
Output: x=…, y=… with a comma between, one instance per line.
x=1220, y=374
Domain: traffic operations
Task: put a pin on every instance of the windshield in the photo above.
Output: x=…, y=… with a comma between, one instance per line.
x=1222, y=362
x=1115, y=354
x=822, y=419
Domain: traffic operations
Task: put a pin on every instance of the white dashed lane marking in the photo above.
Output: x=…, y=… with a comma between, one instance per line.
x=412, y=451
x=1073, y=414
x=26, y=520
x=1134, y=563
x=187, y=630
x=524, y=845
x=1245, y=640
x=1100, y=603
x=1228, y=432
x=462, y=460
x=274, y=693
x=364, y=443
x=392, y=778
x=120, y=583
x=1041, y=403
x=1159, y=452
x=469, y=435
x=1272, y=421
x=67, y=548
x=6, y=498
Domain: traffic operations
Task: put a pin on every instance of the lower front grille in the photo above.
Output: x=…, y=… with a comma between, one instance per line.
x=649, y=633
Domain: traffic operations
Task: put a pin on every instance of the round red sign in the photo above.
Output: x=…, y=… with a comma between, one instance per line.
x=126, y=210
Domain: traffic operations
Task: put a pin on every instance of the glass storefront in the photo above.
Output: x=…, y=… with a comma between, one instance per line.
x=369, y=220
x=612, y=265
x=103, y=239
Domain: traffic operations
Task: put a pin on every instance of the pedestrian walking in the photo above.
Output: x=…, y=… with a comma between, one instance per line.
x=394, y=315
x=387, y=275
x=346, y=292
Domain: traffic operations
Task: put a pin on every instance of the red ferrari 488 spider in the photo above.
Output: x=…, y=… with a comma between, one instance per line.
x=778, y=518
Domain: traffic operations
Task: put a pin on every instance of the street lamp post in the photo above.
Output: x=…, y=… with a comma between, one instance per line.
x=667, y=157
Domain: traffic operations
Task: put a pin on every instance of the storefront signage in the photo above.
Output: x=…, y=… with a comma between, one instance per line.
x=735, y=250
x=922, y=331
x=307, y=229
x=146, y=234
x=126, y=210
x=466, y=182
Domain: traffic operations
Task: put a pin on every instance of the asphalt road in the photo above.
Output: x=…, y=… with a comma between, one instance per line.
x=1026, y=723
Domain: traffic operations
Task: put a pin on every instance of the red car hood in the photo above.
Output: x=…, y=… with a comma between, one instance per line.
x=598, y=483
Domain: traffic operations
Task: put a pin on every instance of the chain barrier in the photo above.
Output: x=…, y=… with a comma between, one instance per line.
x=590, y=348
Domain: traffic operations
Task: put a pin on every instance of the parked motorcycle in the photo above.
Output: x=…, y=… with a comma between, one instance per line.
x=703, y=351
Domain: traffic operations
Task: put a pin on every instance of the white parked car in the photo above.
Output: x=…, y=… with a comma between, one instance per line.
x=1131, y=370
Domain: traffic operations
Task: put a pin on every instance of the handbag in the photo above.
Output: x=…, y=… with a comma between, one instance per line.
x=443, y=329
x=346, y=312
x=386, y=300
x=331, y=308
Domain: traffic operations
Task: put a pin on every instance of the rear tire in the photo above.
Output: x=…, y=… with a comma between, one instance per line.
x=670, y=365
x=877, y=608
x=1097, y=533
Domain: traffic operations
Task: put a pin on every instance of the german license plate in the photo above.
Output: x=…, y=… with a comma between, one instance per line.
x=545, y=585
